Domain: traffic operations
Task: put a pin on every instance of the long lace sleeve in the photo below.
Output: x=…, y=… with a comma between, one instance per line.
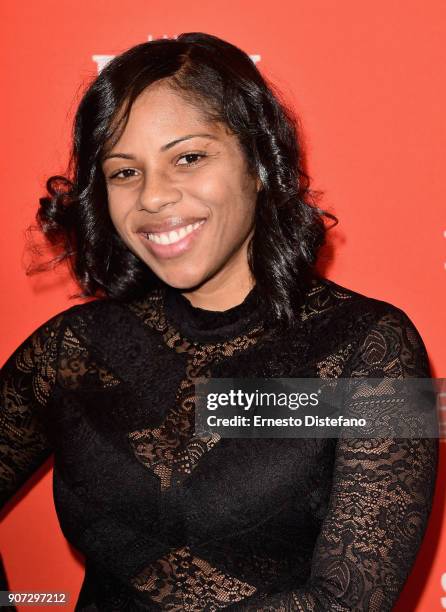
x=380, y=499
x=26, y=382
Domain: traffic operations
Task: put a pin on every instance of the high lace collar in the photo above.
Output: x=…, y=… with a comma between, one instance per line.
x=200, y=325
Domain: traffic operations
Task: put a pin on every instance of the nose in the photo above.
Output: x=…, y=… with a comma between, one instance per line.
x=157, y=192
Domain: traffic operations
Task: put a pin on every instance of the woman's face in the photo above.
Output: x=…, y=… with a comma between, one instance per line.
x=179, y=193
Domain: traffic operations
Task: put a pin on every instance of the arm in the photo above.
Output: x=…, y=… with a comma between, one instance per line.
x=380, y=499
x=26, y=382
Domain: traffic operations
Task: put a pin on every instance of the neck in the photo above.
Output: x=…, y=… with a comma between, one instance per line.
x=221, y=293
x=222, y=298
x=212, y=325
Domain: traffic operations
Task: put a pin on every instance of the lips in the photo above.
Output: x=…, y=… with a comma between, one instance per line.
x=155, y=242
x=167, y=225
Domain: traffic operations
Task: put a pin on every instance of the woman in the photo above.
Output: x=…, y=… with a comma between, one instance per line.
x=189, y=216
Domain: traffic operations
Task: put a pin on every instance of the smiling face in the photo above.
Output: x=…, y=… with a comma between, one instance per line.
x=180, y=195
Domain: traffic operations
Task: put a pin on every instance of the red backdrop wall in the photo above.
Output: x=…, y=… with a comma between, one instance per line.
x=366, y=79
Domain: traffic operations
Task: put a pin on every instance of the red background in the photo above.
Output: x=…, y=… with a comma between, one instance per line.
x=366, y=78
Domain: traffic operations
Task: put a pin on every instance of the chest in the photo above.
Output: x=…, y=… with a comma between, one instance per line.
x=125, y=447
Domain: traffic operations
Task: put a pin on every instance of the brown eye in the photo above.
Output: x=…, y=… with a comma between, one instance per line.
x=191, y=159
x=123, y=174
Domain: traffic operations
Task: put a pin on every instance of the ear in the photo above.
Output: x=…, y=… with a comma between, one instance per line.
x=259, y=184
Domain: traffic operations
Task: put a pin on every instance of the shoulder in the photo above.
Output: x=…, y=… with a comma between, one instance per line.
x=38, y=351
x=99, y=321
x=329, y=297
x=74, y=315
x=380, y=330
x=92, y=311
x=75, y=320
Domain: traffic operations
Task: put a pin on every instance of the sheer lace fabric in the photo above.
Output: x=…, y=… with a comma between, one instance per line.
x=168, y=520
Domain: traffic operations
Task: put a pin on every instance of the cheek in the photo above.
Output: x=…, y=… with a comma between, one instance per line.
x=233, y=218
x=218, y=182
x=211, y=189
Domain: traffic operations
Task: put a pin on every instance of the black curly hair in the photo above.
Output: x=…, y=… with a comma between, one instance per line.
x=224, y=83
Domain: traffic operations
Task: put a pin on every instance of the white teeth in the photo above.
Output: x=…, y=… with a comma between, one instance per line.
x=174, y=235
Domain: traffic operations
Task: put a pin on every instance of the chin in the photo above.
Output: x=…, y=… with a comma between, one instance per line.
x=183, y=280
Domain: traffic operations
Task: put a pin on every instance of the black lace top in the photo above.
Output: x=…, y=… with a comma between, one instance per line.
x=171, y=521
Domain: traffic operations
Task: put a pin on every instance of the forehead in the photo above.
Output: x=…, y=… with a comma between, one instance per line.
x=161, y=114
x=161, y=107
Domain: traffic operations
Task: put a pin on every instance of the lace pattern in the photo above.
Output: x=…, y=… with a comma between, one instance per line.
x=171, y=521
x=172, y=451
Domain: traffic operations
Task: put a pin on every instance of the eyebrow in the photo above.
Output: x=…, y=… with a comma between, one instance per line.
x=165, y=147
